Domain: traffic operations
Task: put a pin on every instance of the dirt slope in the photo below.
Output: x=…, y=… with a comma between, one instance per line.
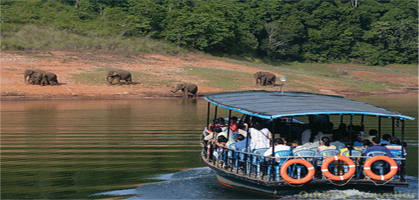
x=158, y=73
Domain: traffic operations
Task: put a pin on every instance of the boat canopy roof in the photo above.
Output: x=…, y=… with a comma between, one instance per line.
x=274, y=104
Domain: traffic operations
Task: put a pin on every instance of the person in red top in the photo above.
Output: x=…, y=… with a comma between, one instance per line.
x=233, y=125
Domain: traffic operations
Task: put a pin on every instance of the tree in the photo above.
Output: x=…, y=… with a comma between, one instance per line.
x=277, y=41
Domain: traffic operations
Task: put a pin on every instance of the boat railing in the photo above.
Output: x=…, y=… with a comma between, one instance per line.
x=264, y=168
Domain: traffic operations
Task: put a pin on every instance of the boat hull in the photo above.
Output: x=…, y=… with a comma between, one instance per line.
x=279, y=188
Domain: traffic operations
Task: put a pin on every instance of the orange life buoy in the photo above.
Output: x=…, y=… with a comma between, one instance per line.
x=325, y=168
x=287, y=178
x=389, y=175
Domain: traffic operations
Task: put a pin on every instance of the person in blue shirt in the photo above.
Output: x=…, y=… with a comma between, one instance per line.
x=376, y=147
x=385, y=140
x=241, y=142
x=395, y=145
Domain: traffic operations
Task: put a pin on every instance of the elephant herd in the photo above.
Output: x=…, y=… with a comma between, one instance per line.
x=41, y=77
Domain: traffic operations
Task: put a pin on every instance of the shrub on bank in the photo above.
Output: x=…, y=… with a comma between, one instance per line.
x=31, y=37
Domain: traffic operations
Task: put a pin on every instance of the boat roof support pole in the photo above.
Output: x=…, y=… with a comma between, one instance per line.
x=402, y=138
x=403, y=165
x=379, y=127
x=392, y=127
x=229, y=123
x=247, y=142
x=273, y=144
x=363, y=124
x=215, y=112
x=341, y=119
x=350, y=135
x=248, y=133
x=289, y=132
x=208, y=113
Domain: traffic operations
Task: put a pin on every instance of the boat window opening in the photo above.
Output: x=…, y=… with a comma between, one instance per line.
x=392, y=127
x=379, y=126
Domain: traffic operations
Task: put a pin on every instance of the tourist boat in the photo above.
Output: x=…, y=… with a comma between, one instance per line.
x=285, y=113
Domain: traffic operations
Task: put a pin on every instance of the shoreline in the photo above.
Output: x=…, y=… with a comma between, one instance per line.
x=132, y=97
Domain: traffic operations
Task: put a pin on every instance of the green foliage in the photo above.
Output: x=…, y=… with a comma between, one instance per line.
x=375, y=32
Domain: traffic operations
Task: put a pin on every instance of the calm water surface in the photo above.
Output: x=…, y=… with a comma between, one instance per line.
x=136, y=149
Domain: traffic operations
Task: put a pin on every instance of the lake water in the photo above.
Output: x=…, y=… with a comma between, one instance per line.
x=133, y=149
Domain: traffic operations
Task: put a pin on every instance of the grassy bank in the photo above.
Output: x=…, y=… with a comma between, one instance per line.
x=31, y=37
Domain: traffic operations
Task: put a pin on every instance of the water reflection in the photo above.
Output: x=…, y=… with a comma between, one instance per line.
x=73, y=149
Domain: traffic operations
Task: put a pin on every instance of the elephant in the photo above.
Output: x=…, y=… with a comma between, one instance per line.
x=37, y=77
x=265, y=78
x=187, y=88
x=119, y=74
x=29, y=75
x=49, y=78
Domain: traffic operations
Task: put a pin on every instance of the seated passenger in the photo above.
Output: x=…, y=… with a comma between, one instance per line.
x=365, y=144
x=312, y=135
x=371, y=134
x=376, y=147
x=221, y=142
x=233, y=125
x=286, y=139
x=356, y=140
x=297, y=146
x=260, y=136
x=325, y=144
x=241, y=142
x=222, y=124
x=395, y=145
x=213, y=135
x=347, y=148
x=385, y=140
x=278, y=145
x=242, y=129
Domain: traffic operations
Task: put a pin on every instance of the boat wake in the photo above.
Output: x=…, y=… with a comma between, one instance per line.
x=197, y=183
x=201, y=183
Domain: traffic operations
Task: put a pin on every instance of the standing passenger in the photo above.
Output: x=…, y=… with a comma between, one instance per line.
x=260, y=136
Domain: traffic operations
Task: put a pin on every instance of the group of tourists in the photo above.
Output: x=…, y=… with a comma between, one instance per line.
x=233, y=135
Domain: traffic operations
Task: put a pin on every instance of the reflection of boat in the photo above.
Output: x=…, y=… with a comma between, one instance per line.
x=252, y=171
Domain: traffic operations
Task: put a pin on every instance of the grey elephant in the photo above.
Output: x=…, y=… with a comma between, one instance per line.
x=29, y=75
x=187, y=88
x=49, y=78
x=119, y=74
x=37, y=77
x=264, y=78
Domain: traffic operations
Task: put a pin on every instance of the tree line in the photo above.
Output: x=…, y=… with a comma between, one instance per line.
x=373, y=32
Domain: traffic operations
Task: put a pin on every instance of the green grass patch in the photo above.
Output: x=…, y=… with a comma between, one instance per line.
x=225, y=79
x=98, y=77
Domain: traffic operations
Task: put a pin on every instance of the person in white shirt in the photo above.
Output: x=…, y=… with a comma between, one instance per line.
x=297, y=146
x=325, y=145
x=279, y=146
x=260, y=136
x=312, y=135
